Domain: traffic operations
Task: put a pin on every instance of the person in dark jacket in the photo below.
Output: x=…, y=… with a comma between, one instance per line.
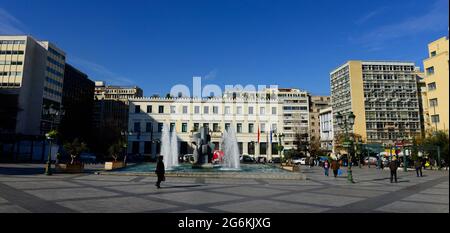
x=393, y=166
x=160, y=171
x=418, y=166
x=335, y=167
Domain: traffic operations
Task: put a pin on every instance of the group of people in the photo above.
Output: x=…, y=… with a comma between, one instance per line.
x=393, y=165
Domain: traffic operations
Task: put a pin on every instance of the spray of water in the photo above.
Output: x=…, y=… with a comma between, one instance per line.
x=231, y=150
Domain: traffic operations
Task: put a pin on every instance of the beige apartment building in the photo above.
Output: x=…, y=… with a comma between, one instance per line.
x=316, y=104
x=437, y=82
x=384, y=97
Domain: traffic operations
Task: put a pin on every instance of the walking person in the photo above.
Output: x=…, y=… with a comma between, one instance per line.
x=160, y=171
x=326, y=168
x=335, y=167
x=393, y=166
x=418, y=166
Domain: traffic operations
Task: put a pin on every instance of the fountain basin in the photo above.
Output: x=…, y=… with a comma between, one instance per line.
x=247, y=171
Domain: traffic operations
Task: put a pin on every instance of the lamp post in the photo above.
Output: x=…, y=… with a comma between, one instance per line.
x=125, y=135
x=346, y=122
x=51, y=113
x=280, y=148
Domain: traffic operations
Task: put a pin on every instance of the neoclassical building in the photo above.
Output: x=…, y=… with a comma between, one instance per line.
x=257, y=121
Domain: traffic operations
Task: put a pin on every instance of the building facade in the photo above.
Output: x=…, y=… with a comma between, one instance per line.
x=186, y=115
x=437, y=82
x=78, y=102
x=296, y=110
x=316, y=104
x=383, y=96
x=326, y=129
x=33, y=71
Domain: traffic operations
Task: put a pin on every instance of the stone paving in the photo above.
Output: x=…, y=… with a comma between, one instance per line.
x=24, y=189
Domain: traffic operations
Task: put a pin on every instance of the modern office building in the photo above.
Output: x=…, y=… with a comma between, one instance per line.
x=247, y=116
x=33, y=72
x=437, y=82
x=383, y=96
x=78, y=102
x=316, y=104
x=326, y=129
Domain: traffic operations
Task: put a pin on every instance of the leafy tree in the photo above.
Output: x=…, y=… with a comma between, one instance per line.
x=440, y=139
x=116, y=149
x=75, y=148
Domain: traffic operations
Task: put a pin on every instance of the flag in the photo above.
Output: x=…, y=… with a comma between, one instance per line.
x=271, y=135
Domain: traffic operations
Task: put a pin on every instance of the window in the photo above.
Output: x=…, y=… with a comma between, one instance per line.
x=206, y=125
x=274, y=128
x=263, y=127
x=196, y=127
x=173, y=110
x=172, y=127
x=215, y=110
x=147, y=147
x=185, y=109
x=149, y=109
x=251, y=128
x=216, y=127
x=137, y=127
x=239, y=128
x=433, y=102
x=206, y=110
x=250, y=110
x=148, y=127
x=227, y=126
x=161, y=109
x=262, y=111
x=432, y=86
x=433, y=53
x=435, y=119
x=137, y=109
x=274, y=110
x=197, y=109
x=430, y=70
x=263, y=148
x=160, y=127
x=184, y=128
x=239, y=110
x=227, y=110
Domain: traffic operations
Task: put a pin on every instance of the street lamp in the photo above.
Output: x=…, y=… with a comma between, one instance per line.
x=346, y=122
x=280, y=137
x=51, y=113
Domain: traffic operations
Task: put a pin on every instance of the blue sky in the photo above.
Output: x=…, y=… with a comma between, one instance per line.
x=158, y=44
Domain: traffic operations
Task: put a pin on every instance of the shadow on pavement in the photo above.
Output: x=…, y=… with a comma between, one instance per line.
x=21, y=171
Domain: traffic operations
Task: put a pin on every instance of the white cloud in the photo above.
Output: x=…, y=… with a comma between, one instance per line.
x=435, y=19
x=211, y=75
x=10, y=24
x=99, y=72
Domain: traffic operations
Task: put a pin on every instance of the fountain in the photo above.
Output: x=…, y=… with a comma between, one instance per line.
x=169, y=148
x=174, y=149
x=230, y=147
x=203, y=149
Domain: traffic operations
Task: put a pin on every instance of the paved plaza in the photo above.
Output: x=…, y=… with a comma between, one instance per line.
x=23, y=188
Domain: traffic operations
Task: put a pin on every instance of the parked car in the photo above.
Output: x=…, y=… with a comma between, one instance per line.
x=248, y=159
x=372, y=160
x=276, y=160
x=296, y=160
x=88, y=158
x=261, y=160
